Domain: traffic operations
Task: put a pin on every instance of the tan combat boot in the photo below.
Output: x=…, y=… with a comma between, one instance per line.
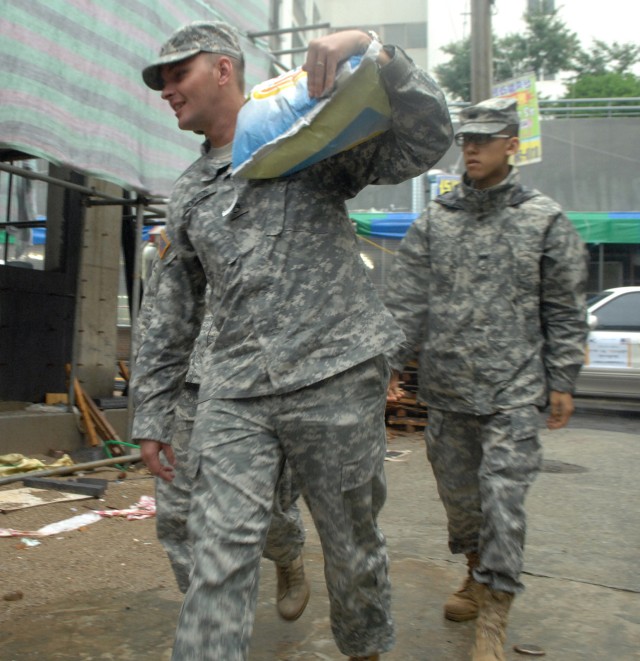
x=491, y=629
x=463, y=605
x=293, y=589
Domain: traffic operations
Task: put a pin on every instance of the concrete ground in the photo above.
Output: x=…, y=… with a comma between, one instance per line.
x=582, y=601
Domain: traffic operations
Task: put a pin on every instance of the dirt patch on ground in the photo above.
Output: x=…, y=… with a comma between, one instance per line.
x=112, y=554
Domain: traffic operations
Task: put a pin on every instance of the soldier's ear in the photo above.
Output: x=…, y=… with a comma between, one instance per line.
x=513, y=146
x=225, y=68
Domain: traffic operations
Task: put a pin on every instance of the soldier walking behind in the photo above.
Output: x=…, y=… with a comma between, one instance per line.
x=489, y=288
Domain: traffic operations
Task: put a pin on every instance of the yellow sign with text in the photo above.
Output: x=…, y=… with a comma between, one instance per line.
x=523, y=90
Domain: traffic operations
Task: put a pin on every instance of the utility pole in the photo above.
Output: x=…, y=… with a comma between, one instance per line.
x=481, y=50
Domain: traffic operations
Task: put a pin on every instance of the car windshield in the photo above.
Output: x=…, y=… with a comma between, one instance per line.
x=621, y=313
x=598, y=297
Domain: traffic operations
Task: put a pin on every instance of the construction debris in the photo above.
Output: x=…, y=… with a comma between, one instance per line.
x=15, y=463
x=87, y=486
x=98, y=429
x=75, y=468
x=12, y=500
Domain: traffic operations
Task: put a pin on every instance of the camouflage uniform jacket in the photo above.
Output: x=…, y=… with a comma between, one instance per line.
x=488, y=287
x=144, y=320
x=293, y=304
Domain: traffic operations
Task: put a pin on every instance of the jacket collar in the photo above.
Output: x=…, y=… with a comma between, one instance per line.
x=509, y=192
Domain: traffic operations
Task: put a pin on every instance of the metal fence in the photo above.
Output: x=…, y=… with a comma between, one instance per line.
x=574, y=108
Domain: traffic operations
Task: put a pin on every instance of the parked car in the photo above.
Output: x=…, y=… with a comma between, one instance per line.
x=612, y=363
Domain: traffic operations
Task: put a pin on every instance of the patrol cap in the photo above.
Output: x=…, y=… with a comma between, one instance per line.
x=490, y=116
x=189, y=40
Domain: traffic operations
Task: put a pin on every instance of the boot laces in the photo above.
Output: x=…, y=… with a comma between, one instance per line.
x=295, y=575
x=467, y=588
x=492, y=634
x=292, y=575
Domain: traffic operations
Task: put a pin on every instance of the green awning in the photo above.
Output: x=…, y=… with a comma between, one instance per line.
x=613, y=227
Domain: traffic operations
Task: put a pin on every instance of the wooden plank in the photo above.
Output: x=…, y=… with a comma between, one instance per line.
x=82, y=402
x=107, y=432
x=124, y=370
x=56, y=398
x=405, y=420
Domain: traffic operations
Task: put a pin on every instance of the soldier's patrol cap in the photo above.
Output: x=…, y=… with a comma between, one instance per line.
x=490, y=116
x=189, y=40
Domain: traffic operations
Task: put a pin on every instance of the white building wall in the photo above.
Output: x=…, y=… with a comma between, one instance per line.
x=403, y=22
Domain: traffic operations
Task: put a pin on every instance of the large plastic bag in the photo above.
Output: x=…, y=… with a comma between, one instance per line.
x=280, y=130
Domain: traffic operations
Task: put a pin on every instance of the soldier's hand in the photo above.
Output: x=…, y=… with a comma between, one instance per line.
x=325, y=54
x=561, y=409
x=395, y=391
x=150, y=452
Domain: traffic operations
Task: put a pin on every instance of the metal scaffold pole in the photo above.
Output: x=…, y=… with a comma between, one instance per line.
x=481, y=50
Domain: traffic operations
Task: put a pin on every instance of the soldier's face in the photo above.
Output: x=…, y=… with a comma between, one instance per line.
x=488, y=164
x=190, y=88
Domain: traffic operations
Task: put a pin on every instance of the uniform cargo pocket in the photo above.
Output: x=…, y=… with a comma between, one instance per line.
x=525, y=423
x=361, y=471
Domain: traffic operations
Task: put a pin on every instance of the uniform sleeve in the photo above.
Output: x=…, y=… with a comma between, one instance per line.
x=418, y=138
x=563, y=304
x=141, y=327
x=163, y=356
x=406, y=291
x=145, y=314
x=206, y=336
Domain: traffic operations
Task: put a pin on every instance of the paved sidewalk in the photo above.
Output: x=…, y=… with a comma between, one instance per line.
x=582, y=601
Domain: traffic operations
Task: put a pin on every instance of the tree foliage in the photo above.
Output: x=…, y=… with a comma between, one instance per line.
x=547, y=47
x=604, y=85
x=455, y=75
x=604, y=58
x=604, y=71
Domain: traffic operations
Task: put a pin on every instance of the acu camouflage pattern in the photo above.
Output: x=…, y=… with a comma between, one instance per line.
x=299, y=324
x=189, y=40
x=490, y=116
x=483, y=467
x=155, y=307
x=173, y=498
x=293, y=304
x=147, y=313
x=489, y=287
x=286, y=536
x=333, y=436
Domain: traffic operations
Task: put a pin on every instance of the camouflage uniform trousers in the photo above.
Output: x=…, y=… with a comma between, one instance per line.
x=286, y=532
x=484, y=465
x=333, y=435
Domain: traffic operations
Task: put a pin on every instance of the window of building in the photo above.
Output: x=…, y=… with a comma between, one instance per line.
x=613, y=265
x=23, y=219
